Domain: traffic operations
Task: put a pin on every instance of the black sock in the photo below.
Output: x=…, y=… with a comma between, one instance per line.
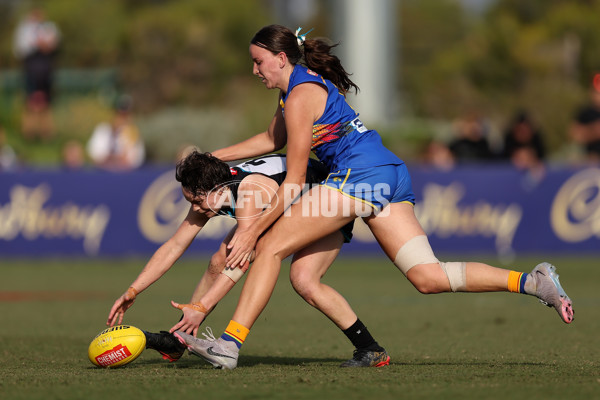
x=361, y=338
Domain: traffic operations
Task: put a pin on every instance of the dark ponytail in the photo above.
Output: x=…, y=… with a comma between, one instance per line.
x=318, y=57
x=314, y=53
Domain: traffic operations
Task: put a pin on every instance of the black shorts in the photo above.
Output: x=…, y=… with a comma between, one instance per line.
x=347, y=231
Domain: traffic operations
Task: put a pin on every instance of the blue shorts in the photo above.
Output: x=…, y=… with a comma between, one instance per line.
x=375, y=186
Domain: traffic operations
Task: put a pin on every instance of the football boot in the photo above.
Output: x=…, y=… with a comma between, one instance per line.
x=166, y=344
x=550, y=292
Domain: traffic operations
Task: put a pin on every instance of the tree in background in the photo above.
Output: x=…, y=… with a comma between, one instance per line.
x=538, y=55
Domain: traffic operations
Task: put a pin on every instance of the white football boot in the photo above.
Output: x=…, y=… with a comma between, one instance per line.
x=550, y=292
x=220, y=353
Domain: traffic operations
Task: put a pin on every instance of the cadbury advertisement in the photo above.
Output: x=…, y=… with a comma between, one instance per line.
x=493, y=210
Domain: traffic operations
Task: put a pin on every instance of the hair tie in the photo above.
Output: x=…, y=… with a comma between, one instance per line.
x=301, y=38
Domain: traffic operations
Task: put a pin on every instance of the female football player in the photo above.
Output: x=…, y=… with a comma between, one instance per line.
x=213, y=188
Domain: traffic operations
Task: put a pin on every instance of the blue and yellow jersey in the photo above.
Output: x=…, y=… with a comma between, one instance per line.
x=339, y=138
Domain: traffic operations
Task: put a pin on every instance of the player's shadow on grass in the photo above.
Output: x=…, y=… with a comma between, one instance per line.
x=249, y=361
x=189, y=361
x=470, y=363
x=245, y=361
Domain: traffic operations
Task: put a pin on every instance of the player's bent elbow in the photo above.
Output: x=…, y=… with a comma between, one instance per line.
x=278, y=144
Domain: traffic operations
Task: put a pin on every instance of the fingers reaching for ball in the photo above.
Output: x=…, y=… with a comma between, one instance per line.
x=118, y=309
x=193, y=316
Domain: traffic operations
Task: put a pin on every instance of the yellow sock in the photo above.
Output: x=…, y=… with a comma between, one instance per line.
x=516, y=281
x=235, y=333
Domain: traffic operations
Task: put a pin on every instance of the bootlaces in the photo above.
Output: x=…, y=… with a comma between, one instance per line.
x=209, y=334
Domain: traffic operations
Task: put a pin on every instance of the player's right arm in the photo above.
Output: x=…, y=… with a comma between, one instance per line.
x=160, y=262
x=254, y=192
x=273, y=139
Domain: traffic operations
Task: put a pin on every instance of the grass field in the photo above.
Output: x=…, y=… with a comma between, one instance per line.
x=449, y=346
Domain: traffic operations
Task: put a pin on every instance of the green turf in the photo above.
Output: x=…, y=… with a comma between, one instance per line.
x=449, y=346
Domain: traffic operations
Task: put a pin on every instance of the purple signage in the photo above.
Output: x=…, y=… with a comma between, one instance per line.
x=487, y=209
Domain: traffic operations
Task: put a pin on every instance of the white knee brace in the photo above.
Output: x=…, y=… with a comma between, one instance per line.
x=457, y=275
x=414, y=252
x=236, y=273
x=418, y=251
x=233, y=273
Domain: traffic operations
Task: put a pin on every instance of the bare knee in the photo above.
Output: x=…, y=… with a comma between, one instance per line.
x=217, y=263
x=304, y=284
x=428, y=278
x=266, y=246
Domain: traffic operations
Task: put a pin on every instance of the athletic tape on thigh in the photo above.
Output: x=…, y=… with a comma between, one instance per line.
x=457, y=275
x=234, y=274
x=414, y=252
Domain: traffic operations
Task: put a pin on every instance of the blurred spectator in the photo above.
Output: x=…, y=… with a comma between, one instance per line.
x=585, y=128
x=73, y=155
x=117, y=145
x=438, y=155
x=36, y=42
x=8, y=157
x=470, y=143
x=523, y=143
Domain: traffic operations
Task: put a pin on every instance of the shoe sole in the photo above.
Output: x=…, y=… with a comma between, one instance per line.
x=565, y=310
x=379, y=364
x=382, y=363
x=168, y=357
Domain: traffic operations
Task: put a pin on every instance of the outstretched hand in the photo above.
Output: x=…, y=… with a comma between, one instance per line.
x=121, y=305
x=192, y=318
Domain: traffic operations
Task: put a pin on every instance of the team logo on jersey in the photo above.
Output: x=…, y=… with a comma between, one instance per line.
x=311, y=72
x=233, y=171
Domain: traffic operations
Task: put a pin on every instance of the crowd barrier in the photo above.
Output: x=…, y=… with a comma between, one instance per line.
x=492, y=210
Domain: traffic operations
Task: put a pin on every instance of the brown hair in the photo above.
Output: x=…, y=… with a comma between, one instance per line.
x=314, y=53
x=199, y=173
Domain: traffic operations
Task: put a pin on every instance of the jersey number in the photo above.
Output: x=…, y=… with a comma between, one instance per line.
x=255, y=162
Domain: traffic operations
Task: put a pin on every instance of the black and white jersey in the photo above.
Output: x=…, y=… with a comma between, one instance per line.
x=273, y=166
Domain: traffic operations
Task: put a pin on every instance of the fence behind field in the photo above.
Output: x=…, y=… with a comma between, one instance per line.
x=492, y=209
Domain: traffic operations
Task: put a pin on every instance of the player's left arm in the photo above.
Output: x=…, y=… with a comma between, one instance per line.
x=160, y=262
x=305, y=104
